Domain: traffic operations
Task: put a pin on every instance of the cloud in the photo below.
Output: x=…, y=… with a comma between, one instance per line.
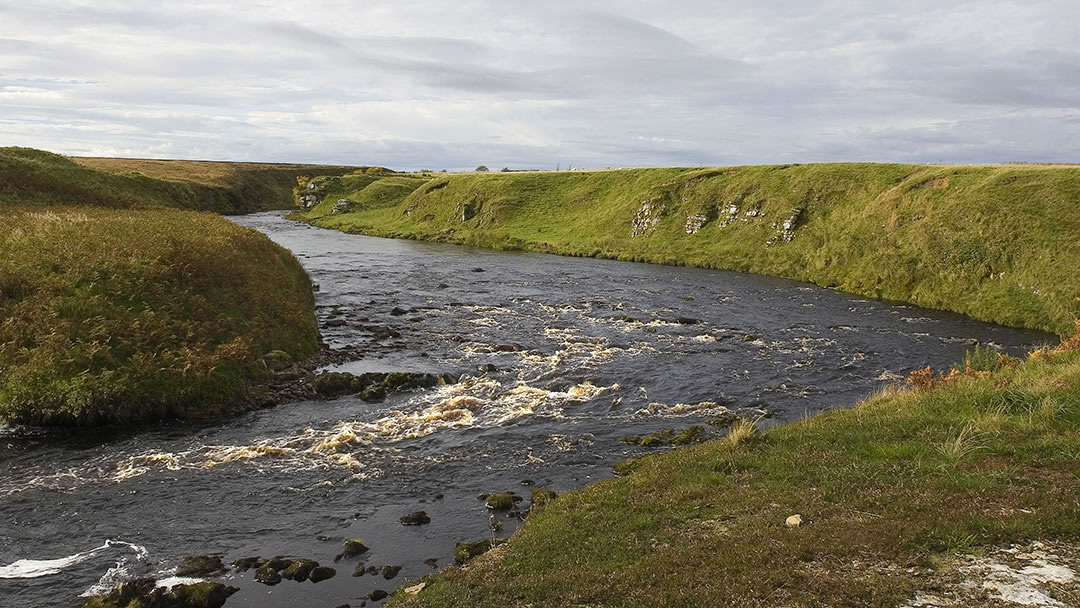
x=417, y=83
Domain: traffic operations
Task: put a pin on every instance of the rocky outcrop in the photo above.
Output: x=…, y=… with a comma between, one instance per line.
x=144, y=593
x=787, y=227
x=647, y=218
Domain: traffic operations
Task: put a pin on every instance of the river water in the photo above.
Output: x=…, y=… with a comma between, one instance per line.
x=559, y=356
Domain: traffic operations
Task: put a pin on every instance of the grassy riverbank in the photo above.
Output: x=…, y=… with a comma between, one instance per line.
x=35, y=177
x=112, y=315
x=115, y=308
x=997, y=243
x=888, y=493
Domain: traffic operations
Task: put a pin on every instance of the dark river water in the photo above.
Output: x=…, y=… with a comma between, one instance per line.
x=600, y=350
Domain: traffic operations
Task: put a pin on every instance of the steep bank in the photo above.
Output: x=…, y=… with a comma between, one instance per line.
x=112, y=315
x=115, y=308
x=35, y=177
x=993, y=242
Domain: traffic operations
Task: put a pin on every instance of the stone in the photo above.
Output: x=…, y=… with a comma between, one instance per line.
x=299, y=570
x=500, y=502
x=353, y=547
x=246, y=563
x=432, y=562
x=694, y=223
x=464, y=552
x=646, y=218
x=415, y=589
x=415, y=519
x=343, y=205
x=200, y=565
x=321, y=573
x=377, y=595
x=388, y=571
x=267, y=575
x=794, y=521
x=277, y=360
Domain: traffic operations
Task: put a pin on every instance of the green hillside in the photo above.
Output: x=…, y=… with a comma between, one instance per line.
x=997, y=243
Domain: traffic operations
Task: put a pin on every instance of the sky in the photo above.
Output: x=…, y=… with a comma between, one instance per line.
x=413, y=84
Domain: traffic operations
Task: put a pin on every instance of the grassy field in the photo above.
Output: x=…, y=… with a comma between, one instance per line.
x=116, y=308
x=888, y=494
x=116, y=315
x=997, y=243
x=35, y=177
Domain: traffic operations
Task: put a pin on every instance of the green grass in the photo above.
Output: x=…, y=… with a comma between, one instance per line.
x=885, y=490
x=34, y=177
x=116, y=308
x=114, y=315
x=997, y=243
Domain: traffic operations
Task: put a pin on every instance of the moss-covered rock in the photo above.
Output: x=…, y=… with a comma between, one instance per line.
x=299, y=569
x=246, y=563
x=353, y=547
x=144, y=593
x=201, y=565
x=277, y=360
x=500, y=502
x=541, y=496
x=464, y=552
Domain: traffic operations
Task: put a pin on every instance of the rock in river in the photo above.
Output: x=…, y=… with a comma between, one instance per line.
x=415, y=519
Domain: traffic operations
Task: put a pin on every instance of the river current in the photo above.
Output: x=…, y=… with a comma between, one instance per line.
x=559, y=357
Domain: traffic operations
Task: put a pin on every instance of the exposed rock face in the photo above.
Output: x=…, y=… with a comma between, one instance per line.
x=730, y=215
x=694, y=223
x=343, y=205
x=467, y=211
x=647, y=218
x=787, y=227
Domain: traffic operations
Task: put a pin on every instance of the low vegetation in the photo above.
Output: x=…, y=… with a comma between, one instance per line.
x=997, y=243
x=115, y=308
x=885, y=493
x=112, y=315
x=35, y=177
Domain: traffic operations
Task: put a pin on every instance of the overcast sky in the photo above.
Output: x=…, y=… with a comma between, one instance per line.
x=415, y=84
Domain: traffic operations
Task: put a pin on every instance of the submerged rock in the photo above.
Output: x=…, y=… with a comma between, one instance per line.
x=415, y=519
x=377, y=595
x=201, y=565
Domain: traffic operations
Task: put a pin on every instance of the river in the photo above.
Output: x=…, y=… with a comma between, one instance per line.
x=560, y=357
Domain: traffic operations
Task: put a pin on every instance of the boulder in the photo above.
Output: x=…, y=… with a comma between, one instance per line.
x=321, y=573
x=388, y=571
x=299, y=570
x=200, y=565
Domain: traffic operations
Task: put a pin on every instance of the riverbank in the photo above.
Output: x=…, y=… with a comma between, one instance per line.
x=120, y=304
x=958, y=491
x=996, y=243
x=124, y=316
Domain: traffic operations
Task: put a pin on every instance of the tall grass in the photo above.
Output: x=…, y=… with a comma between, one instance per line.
x=114, y=315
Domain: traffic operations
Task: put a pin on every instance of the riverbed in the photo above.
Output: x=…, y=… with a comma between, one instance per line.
x=558, y=357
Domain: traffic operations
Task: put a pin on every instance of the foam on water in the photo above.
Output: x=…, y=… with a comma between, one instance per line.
x=35, y=568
